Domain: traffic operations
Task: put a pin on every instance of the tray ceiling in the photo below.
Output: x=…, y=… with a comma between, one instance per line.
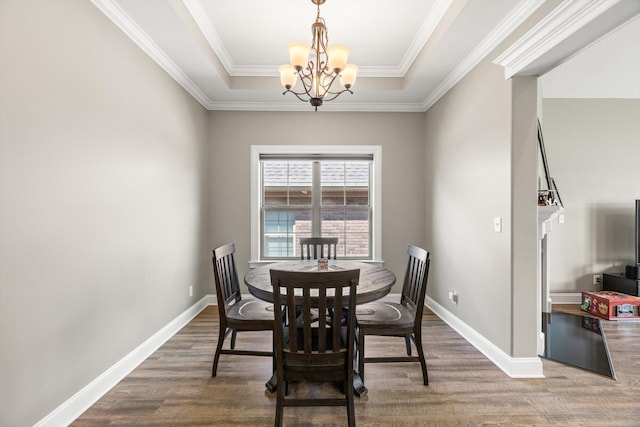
x=226, y=53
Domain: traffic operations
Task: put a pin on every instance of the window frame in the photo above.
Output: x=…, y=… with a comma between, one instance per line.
x=307, y=150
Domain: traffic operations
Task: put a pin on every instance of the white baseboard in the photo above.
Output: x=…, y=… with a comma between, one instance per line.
x=515, y=367
x=566, y=298
x=66, y=413
x=73, y=407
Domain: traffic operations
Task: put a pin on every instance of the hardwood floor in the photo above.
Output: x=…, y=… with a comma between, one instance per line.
x=174, y=387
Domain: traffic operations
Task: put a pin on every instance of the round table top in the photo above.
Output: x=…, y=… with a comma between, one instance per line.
x=375, y=281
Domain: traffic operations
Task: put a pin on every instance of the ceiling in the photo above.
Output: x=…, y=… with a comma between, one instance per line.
x=226, y=53
x=609, y=68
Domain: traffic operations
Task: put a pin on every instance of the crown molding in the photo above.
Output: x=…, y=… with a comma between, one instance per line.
x=563, y=21
x=434, y=16
x=199, y=15
x=299, y=106
x=506, y=27
x=123, y=21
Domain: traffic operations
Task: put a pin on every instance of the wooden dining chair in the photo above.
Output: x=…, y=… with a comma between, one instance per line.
x=402, y=319
x=318, y=247
x=236, y=315
x=314, y=351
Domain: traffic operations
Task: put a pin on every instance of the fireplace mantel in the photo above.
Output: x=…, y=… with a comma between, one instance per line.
x=546, y=215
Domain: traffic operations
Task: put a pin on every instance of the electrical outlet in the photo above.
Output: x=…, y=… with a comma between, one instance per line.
x=597, y=279
x=561, y=219
x=190, y=291
x=453, y=296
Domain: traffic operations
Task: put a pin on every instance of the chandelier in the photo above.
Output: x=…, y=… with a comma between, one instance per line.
x=318, y=72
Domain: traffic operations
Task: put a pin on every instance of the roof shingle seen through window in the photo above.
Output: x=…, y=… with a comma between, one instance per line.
x=300, y=174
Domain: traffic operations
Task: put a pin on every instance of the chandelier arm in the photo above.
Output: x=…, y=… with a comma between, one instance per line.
x=337, y=94
x=297, y=94
x=327, y=86
x=306, y=78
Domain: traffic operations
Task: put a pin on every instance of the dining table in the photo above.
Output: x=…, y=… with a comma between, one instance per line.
x=375, y=282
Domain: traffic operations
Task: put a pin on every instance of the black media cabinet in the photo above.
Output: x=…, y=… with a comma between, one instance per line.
x=619, y=283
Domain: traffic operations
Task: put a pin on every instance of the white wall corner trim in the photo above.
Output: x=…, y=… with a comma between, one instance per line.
x=515, y=367
x=73, y=407
x=563, y=21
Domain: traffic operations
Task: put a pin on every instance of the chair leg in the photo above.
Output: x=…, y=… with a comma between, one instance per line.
x=407, y=341
x=361, y=355
x=216, y=358
x=279, y=408
x=351, y=415
x=272, y=384
x=281, y=391
x=233, y=339
x=423, y=362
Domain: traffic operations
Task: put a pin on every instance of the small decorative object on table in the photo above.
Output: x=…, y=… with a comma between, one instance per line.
x=323, y=264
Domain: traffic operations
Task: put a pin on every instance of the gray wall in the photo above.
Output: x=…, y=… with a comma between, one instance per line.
x=593, y=149
x=468, y=184
x=101, y=188
x=481, y=164
x=401, y=136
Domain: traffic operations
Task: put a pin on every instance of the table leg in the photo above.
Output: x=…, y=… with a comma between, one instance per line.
x=358, y=385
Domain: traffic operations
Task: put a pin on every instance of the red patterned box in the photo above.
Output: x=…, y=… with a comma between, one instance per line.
x=611, y=305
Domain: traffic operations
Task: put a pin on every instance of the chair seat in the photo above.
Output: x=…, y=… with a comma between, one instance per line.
x=251, y=310
x=390, y=314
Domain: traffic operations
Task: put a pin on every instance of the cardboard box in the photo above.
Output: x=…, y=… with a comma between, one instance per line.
x=611, y=305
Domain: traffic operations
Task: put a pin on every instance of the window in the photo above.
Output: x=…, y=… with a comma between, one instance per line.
x=315, y=191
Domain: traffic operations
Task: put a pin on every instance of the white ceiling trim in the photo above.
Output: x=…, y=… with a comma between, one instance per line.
x=119, y=17
x=524, y=9
x=506, y=27
x=329, y=107
x=199, y=15
x=562, y=22
x=427, y=28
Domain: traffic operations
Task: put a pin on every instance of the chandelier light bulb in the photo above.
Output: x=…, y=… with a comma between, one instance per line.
x=288, y=76
x=348, y=75
x=338, y=56
x=299, y=54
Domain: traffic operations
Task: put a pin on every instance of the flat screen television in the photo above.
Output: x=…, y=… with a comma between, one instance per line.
x=633, y=271
x=637, y=232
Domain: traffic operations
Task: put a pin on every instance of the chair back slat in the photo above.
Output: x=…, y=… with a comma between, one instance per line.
x=226, y=275
x=318, y=247
x=322, y=320
x=313, y=305
x=415, y=280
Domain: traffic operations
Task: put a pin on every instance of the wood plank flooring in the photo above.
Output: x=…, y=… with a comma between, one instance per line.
x=174, y=387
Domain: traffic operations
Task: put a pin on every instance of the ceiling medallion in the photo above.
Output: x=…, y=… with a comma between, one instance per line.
x=318, y=72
